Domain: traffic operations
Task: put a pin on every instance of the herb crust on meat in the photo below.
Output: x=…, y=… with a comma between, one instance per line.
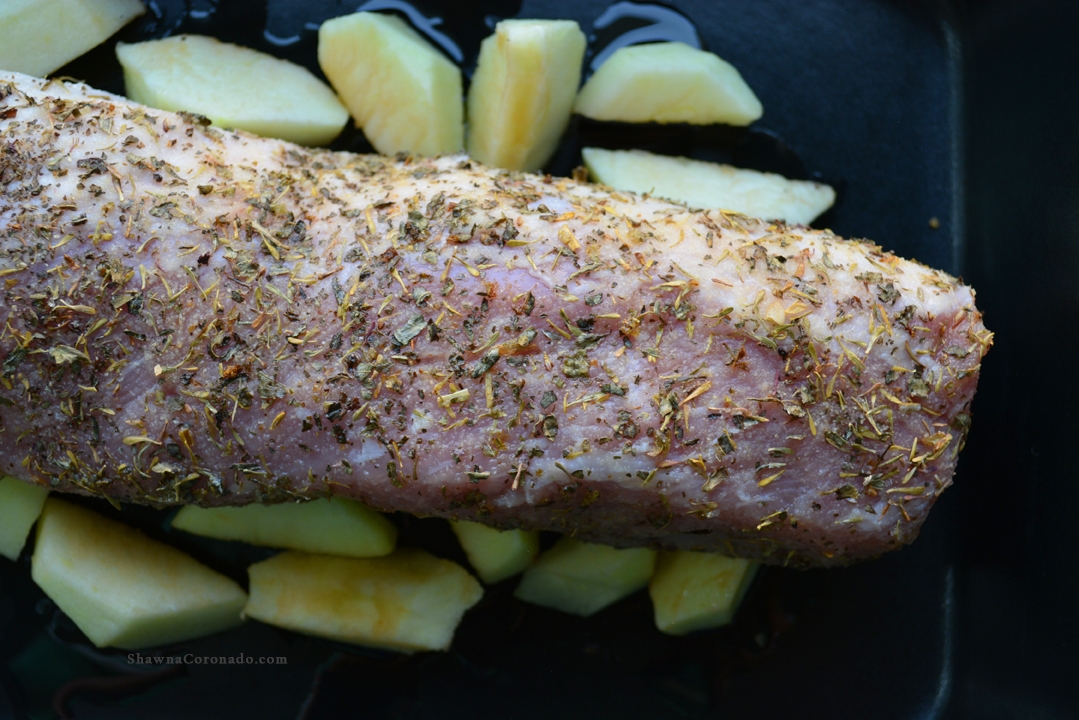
x=198, y=316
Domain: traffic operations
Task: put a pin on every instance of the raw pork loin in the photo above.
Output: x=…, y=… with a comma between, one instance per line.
x=199, y=316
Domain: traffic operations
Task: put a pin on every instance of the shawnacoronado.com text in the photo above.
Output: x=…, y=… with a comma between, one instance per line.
x=192, y=659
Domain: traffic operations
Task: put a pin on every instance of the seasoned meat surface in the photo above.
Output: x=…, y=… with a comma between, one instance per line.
x=199, y=316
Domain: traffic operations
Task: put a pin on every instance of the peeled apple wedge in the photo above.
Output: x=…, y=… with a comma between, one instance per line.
x=236, y=87
x=124, y=589
x=496, y=554
x=39, y=36
x=708, y=185
x=583, y=578
x=20, y=504
x=407, y=601
x=668, y=82
x=522, y=92
x=403, y=92
x=697, y=590
x=335, y=527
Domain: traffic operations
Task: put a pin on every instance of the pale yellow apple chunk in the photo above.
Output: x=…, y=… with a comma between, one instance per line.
x=697, y=590
x=124, y=589
x=496, y=554
x=706, y=185
x=39, y=36
x=583, y=578
x=407, y=601
x=403, y=93
x=668, y=83
x=20, y=504
x=235, y=87
x=522, y=92
x=336, y=527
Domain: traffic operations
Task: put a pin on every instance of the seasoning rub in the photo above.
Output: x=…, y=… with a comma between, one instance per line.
x=440, y=338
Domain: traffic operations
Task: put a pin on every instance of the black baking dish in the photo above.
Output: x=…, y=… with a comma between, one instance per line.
x=950, y=130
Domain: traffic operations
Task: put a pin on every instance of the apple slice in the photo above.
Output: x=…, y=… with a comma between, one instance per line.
x=403, y=92
x=496, y=554
x=123, y=589
x=407, y=601
x=668, y=82
x=39, y=36
x=708, y=185
x=583, y=578
x=335, y=527
x=20, y=504
x=236, y=87
x=697, y=590
x=522, y=92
